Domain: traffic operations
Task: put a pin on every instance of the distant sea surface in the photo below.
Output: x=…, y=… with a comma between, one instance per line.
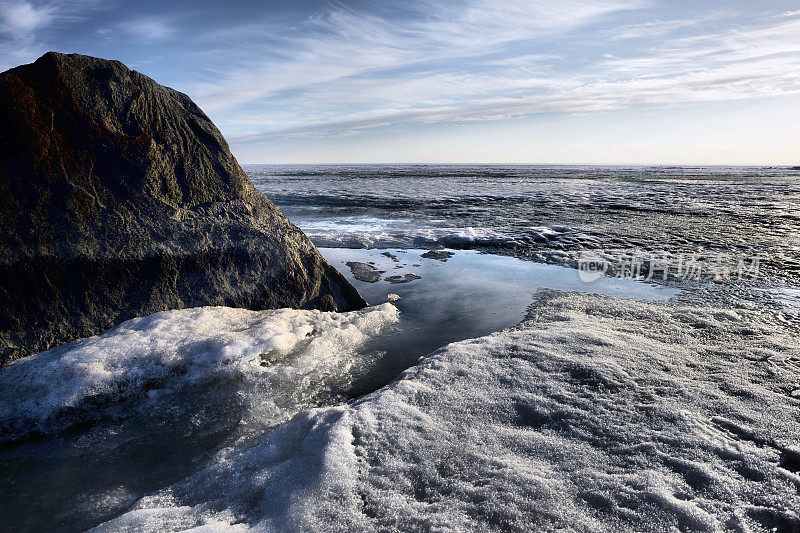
x=547, y=213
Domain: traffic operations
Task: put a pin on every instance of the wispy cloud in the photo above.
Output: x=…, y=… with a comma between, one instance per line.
x=339, y=43
x=344, y=71
x=24, y=23
x=659, y=28
x=142, y=29
x=20, y=19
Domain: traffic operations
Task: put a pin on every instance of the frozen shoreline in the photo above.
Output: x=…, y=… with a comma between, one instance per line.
x=596, y=413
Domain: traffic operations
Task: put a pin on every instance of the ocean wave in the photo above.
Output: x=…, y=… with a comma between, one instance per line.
x=371, y=232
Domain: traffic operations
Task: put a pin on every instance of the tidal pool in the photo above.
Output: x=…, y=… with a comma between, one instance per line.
x=469, y=295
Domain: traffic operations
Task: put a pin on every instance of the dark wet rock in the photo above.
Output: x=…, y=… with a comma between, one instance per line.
x=794, y=168
x=391, y=256
x=364, y=271
x=120, y=198
x=402, y=279
x=439, y=255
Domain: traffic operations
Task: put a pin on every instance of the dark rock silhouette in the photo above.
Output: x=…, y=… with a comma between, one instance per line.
x=120, y=198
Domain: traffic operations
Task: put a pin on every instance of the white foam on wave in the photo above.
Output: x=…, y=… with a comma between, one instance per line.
x=278, y=353
x=371, y=232
x=595, y=414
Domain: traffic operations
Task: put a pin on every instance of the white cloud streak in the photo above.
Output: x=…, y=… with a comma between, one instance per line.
x=143, y=29
x=23, y=23
x=339, y=43
x=343, y=71
x=20, y=19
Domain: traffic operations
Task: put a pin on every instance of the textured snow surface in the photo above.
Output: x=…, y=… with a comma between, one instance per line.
x=146, y=359
x=596, y=413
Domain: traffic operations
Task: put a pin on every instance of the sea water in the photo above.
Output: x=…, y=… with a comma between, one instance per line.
x=468, y=295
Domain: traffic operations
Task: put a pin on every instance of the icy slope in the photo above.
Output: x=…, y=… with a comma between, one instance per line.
x=275, y=359
x=595, y=414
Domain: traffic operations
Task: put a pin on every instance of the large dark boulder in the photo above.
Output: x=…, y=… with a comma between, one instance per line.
x=120, y=198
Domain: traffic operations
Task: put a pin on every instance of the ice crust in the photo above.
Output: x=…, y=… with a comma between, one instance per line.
x=145, y=359
x=596, y=413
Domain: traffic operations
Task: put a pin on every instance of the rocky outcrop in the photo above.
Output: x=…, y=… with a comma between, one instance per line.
x=120, y=198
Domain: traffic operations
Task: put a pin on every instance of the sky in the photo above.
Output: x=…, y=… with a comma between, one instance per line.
x=463, y=81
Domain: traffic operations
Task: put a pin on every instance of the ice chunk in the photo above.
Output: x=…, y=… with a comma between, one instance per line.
x=166, y=351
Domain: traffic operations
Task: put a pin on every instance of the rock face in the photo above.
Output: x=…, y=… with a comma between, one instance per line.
x=120, y=198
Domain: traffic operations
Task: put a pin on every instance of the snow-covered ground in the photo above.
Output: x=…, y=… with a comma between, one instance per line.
x=596, y=413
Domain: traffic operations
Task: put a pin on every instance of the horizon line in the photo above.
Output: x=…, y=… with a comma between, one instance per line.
x=787, y=166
